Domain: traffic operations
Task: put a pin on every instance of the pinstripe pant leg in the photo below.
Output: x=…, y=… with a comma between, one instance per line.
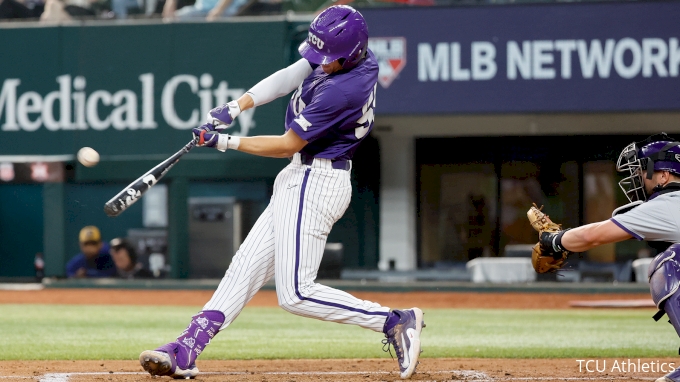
x=251, y=267
x=307, y=203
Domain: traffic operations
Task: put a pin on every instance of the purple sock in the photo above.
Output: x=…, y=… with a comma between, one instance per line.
x=391, y=321
x=193, y=340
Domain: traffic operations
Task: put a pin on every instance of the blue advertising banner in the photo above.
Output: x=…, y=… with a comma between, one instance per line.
x=527, y=58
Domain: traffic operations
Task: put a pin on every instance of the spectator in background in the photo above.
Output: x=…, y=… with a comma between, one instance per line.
x=120, y=7
x=57, y=11
x=206, y=9
x=94, y=259
x=125, y=258
x=13, y=9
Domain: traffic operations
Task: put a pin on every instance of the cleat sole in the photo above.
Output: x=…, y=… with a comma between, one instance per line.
x=155, y=363
x=159, y=363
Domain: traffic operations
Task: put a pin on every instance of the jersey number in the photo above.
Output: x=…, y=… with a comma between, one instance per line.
x=298, y=103
x=367, y=117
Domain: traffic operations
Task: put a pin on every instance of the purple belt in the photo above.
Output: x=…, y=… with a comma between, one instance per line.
x=338, y=164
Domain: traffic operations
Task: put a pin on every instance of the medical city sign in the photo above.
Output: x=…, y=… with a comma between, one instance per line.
x=73, y=106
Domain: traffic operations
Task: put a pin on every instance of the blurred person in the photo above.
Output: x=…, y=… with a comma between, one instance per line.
x=94, y=259
x=125, y=258
x=210, y=10
x=39, y=266
x=120, y=7
x=66, y=10
x=13, y=9
x=327, y=118
x=478, y=233
x=652, y=185
x=55, y=12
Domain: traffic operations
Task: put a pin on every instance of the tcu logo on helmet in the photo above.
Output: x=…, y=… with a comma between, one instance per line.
x=316, y=41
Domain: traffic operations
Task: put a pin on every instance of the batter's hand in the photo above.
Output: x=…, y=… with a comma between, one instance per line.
x=205, y=136
x=223, y=116
x=210, y=138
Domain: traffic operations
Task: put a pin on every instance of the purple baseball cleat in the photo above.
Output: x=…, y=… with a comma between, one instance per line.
x=163, y=361
x=673, y=376
x=402, y=331
x=177, y=359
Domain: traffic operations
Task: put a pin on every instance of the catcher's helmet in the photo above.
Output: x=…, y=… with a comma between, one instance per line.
x=659, y=152
x=339, y=32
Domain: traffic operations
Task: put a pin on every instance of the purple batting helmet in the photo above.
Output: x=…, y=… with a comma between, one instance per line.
x=659, y=152
x=337, y=33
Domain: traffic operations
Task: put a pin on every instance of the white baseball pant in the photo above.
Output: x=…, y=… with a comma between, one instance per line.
x=287, y=242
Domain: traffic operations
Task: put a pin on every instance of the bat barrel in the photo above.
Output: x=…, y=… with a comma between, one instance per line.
x=134, y=191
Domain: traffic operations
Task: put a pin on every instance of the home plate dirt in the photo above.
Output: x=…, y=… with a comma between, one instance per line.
x=441, y=369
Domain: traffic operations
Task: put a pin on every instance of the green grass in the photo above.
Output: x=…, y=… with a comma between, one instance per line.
x=122, y=332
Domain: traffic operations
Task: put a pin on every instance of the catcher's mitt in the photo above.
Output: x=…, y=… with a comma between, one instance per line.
x=544, y=257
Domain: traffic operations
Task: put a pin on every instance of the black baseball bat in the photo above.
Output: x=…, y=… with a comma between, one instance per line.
x=134, y=191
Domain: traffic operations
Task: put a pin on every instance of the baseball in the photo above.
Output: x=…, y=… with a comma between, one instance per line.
x=88, y=156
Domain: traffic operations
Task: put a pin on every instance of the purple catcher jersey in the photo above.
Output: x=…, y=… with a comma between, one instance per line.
x=334, y=112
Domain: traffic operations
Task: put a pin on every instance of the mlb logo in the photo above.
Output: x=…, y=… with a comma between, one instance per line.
x=391, y=55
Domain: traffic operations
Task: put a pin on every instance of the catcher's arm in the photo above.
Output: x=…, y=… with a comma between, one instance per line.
x=555, y=244
x=592, y=235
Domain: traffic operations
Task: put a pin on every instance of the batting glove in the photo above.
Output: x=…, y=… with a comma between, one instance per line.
x=223, y=116
x=207, y=138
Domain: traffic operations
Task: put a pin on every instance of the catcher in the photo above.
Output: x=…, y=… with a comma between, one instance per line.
x=652, y=184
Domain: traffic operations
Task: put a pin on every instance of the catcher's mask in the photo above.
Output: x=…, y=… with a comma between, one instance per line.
x=659, y=152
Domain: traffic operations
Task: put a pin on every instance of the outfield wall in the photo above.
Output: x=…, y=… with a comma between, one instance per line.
x=132, y=91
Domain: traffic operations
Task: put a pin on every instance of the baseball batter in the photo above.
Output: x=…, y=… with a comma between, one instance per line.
x=329, y=114
x=652, y=184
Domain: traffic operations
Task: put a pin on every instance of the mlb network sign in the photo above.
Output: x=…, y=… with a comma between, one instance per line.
x=548, y=60
x=74, y=106
x=586, y=57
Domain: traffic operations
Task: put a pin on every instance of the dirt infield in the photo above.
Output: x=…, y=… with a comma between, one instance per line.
x=333, y=370
x=461, y=369
x=509, y=300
